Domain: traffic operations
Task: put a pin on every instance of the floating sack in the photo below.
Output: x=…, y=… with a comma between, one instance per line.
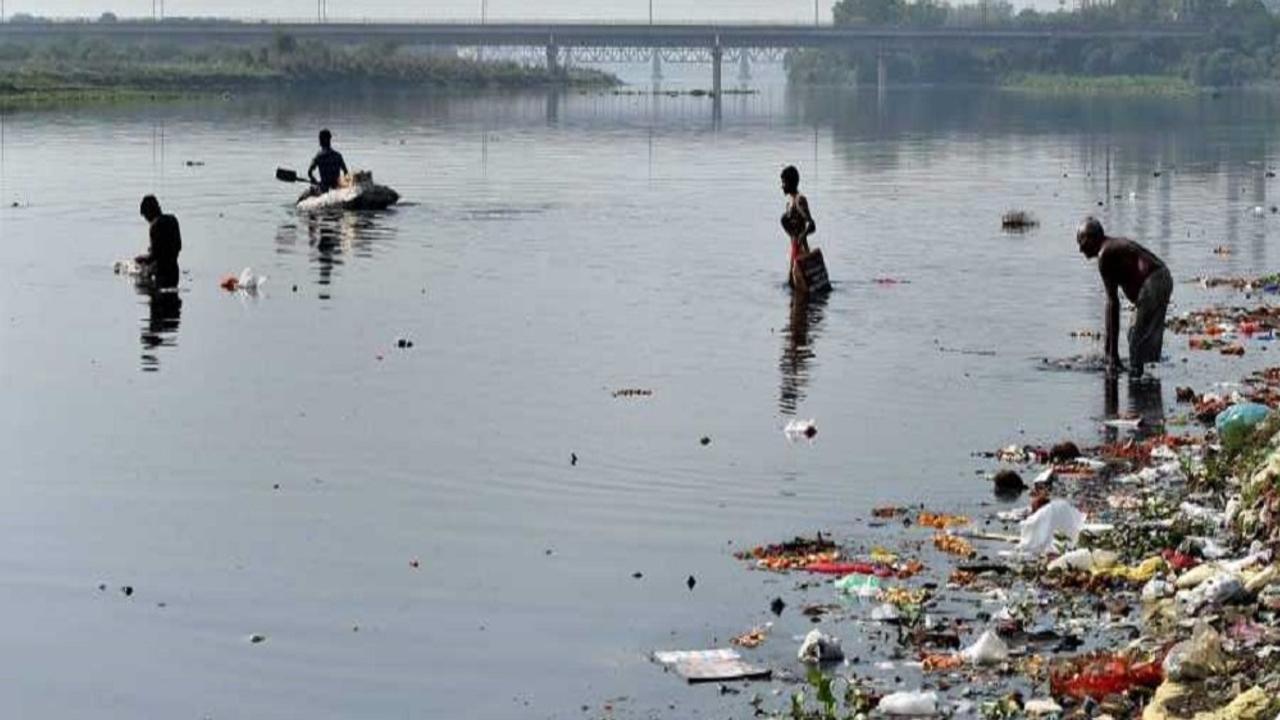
x=250, y=282
x=988, y=650
x=909, y=703
x=246, y=281
x=1057, y=518
x=818, y=647
x=798, y=430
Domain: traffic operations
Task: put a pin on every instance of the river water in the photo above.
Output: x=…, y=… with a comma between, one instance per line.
x=275, y=465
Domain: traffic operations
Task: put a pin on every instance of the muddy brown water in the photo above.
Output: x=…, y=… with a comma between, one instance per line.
x=274, y=464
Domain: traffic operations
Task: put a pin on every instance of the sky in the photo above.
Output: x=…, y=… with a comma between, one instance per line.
x=673, y=10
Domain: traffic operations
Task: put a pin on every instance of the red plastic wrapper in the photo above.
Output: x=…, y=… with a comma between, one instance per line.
x=842, y=568
x=1097, y=676
x=1179, y=561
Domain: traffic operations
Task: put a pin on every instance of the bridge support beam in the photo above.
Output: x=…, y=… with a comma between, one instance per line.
x=717, y=69
x=553, y=58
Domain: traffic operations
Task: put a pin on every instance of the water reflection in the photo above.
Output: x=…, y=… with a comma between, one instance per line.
x=1146, y=401
x=333, y=238
x=160, y=326
x=797, y=351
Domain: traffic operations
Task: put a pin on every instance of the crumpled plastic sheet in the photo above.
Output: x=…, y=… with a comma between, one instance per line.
x=1059, y=517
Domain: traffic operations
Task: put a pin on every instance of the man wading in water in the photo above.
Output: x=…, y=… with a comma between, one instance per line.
x=1126, y=265
x=330, y=164
x=797, y=222
x=160, y=264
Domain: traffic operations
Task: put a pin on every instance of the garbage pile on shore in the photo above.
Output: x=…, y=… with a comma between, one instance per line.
x=1139, y=580
x=1226, y=329
x=1267, y=283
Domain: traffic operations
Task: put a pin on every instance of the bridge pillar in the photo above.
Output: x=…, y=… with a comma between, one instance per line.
x=882, y=72
x=553, y=58
x=744, y=67
x=717, y=68
x=657, y=65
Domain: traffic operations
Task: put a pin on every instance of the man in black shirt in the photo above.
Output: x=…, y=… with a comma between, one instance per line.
x=160, y=264
x=330, y=164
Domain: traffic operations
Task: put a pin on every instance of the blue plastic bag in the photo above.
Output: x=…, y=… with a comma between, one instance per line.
x=1237, y=421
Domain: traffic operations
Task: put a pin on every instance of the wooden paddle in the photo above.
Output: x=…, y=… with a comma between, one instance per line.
x=291, y=176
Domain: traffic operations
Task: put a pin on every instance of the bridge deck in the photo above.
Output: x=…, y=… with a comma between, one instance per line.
x=583, y=34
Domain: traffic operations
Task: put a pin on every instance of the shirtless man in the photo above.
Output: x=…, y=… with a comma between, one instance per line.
x=796, y=220
x=160, y=264
x=330, y=164
x=1144, y=278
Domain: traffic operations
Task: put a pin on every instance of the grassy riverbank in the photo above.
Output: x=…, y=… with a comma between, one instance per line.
x=41, y=74
x=1057, y=84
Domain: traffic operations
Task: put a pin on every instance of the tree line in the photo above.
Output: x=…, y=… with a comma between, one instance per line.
x=1238, y=47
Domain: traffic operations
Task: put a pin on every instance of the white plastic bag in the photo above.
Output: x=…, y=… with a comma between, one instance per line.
x=126, y=267
x=1057, y=518
x=818, y=647
x=1084, y=559
x=250, y=282
x=1210, y=594
x=988, y=650
x=798, y=430
x=886, y=613
x=910, y=703
x=1042, y=708
x=1155, y=589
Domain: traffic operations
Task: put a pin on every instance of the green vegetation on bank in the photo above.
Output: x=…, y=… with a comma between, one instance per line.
x=1098, y=85
x=100, y=70
x=1239, y=44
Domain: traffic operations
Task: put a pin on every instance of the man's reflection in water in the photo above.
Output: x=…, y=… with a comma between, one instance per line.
x=160, y=327
x=1146, y=400
x=334, y=236
x=800, y=333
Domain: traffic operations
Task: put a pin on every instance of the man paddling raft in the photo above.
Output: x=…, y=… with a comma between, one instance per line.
x=1146, y=281
x=329, y=162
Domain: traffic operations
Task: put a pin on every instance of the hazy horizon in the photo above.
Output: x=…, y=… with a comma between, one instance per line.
x=673, y=10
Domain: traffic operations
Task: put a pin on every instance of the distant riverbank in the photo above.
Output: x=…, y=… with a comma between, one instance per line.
x=97, y=71
x=1056, y=84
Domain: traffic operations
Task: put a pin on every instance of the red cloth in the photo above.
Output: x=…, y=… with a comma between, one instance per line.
x=836, y=568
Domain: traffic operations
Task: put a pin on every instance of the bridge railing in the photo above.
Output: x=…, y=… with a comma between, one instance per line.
x=461, y=21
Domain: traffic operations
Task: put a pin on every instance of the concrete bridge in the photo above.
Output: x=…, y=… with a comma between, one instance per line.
x=599, y=40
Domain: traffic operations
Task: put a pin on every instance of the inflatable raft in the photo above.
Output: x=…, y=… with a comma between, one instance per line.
x=361, y=193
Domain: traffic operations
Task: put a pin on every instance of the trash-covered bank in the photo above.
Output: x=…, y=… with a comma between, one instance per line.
x=1135, y=578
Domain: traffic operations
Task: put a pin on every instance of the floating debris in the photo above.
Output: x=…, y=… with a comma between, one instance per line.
x=1018, y=221
x=753, y=638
